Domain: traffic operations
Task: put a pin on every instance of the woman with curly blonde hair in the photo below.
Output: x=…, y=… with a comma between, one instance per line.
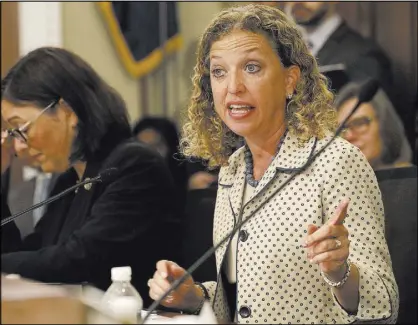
x=292, y=261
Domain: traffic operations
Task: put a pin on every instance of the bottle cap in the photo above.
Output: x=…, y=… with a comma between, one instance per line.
x=122, y=273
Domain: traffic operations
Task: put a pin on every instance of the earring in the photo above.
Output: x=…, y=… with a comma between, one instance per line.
x=289, y=96
x=287, y=109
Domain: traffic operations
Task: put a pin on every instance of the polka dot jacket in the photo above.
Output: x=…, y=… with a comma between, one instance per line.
x=275, y=281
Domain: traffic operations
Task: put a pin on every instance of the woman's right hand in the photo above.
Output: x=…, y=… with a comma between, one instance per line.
x=6, y=151
x=186, y=297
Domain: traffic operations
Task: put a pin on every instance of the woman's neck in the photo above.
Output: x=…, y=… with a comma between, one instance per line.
x=80, y=168
x=265, y=149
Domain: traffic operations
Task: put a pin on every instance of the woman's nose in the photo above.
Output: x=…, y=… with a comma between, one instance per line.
x=235, y=84
x=349, y=135
x=21, y=147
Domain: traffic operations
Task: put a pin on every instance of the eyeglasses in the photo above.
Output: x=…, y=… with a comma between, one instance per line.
x=20, y=133
x=358, y=125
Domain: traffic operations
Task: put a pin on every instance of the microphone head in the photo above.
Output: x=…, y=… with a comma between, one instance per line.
x=108, y=175
x=368, y=90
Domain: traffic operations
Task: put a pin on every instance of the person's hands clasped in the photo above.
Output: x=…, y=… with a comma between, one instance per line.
x=328, y=246
x=186, y=297
x=7, y=151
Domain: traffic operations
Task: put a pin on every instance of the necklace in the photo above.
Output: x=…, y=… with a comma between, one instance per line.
x=249, y=163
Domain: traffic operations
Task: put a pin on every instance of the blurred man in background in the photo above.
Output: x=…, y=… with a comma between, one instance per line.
x=332, y=41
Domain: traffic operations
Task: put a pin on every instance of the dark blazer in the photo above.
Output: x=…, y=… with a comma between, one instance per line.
x=10, y=231
x=129, y=221
x=363, y=57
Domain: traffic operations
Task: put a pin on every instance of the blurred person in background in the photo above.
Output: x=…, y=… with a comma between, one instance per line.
x=200, y=176
x=332, y=41
x=375, y=128
x=161, y=134
x=58, y=111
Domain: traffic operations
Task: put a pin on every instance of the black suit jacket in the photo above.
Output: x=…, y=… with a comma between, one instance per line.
x=9, y=232
x=129, y=221
x=363, y=57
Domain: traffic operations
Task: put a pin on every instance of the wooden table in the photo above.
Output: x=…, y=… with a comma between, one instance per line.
x=29, y=302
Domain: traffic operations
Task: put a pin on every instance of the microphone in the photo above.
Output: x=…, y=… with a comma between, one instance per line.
x=108, y=175
x=367, y=92
x=104, y=177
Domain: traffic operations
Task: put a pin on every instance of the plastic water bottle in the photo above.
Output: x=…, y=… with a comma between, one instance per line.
x=122, y=299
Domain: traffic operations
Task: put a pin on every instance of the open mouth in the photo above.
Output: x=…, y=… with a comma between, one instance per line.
x=240, y=109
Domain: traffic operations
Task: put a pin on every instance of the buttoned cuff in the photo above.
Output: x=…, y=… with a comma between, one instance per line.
x=210, y=287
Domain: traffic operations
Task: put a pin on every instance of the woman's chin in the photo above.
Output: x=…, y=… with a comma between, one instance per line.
x=48, y=167
x=45, y=168
x=241, y=129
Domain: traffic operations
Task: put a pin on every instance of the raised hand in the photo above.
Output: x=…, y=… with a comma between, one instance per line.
x=328, y=246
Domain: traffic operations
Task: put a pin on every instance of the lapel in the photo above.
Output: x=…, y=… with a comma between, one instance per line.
x=53, y=180
x=81, y=204
x=234, y=179
x=327, y=54
x=51, y=222
x=291, y=158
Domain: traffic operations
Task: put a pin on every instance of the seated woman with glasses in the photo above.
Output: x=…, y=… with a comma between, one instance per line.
x=374, y=128
x=56, y=109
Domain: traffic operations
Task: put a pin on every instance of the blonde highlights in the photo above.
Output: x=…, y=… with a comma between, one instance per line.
x=310, y=112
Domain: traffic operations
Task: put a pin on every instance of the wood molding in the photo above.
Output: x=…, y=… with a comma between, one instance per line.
x=9, y=36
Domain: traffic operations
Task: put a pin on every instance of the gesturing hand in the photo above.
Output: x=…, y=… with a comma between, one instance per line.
x=328, y=246
x=186, y=296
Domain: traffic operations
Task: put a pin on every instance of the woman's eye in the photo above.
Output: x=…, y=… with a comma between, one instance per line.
x=217, y=72
x=252, y=68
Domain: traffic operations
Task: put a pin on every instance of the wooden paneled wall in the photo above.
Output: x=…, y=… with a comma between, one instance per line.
x=9, y=35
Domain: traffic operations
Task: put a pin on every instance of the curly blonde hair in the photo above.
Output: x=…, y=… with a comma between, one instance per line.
x=310, y=112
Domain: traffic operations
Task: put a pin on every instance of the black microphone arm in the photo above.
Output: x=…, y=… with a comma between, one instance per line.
x=102, y=177
x=367, y=92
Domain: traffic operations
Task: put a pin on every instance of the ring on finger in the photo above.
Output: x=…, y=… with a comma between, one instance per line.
x=337, y=243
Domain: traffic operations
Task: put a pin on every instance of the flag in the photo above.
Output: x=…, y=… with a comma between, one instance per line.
x=134, y=28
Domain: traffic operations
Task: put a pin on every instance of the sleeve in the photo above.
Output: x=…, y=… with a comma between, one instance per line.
x=210, y=288
x=351, y=176
x=120, y=218
x=220, y=304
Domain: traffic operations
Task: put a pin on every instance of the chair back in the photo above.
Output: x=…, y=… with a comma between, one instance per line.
x=399, y=194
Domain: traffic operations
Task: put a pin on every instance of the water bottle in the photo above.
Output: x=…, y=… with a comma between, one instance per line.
x=122, y=299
